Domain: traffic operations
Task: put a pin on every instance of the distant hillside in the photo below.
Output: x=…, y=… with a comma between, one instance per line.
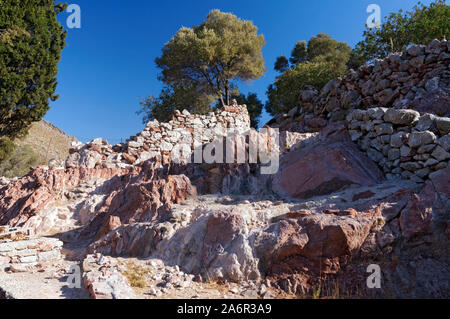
x=43, y=143
x=48, y=141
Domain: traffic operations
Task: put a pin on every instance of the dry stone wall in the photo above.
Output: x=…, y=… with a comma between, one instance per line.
x=403, y=142
x=160, y=139
x=18, y=250
x=418, y=78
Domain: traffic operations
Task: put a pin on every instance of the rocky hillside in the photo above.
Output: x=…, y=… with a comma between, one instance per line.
x=360, y=183
x=44, y=143
x=48, y=142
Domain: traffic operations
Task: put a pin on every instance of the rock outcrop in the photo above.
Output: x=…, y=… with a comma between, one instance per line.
x=327, y=214
x=47, y=200
x=323, y=169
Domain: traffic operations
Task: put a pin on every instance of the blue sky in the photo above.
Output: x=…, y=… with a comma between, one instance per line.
x=108, y=65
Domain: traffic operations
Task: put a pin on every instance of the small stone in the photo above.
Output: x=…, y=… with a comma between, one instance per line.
x=440, y=154
x=432, y=84
x=417, y=62
x=384, y=129
x=385, y=97
x=405, y=151
x=426, y=122
x=376, y=113
x=397, y=139
x=411, y=166
x=444, y=142
x=417, y=139
x=443, y=125
x=436, y=174
x=416, y=50
x=440, y=166
x=423, y=173
x=430, y=162
x=401, y=117
x=355, y=135
x=20, y=268
x=393, y=154
x=426, y=148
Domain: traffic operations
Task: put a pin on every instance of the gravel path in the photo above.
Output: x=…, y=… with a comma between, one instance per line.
x=39, y=285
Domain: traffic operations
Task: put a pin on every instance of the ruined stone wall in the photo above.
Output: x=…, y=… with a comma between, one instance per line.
x=159, y=139
x=18, y=250
x=403, y=142
x=418, y=79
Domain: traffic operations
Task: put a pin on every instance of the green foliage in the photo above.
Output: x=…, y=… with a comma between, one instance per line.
x=315, y=63
x=254, y=106
x=419, y=26
x=322, y=48
x=6, y=148
x=283, y=95
x=281, y=64
x=213, y=55
x=19, y=162
x=171, y=99
x=31, y=41
x=299, y=53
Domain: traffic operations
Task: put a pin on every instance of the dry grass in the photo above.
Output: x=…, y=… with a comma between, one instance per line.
x=136, y=275
x=43, y=143
x=48, y=142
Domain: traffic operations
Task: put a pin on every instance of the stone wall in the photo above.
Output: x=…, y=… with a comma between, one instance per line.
x=18, y=250
x=418, y=79
x=403, y=142
x=161, y=138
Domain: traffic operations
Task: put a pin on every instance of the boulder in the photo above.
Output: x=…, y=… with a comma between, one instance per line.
x=323, y=169
x=417, y=216
x=312, y=244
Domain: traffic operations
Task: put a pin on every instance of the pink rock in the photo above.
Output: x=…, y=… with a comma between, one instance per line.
x=417, y=216
x=322, y=169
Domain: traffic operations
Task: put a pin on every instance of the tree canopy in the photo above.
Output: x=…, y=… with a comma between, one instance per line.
x=314, y=63
x=31, y=41
x=202, y=64
x=212, y=55
x=419, y=26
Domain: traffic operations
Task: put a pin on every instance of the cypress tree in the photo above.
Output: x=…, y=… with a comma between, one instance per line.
x=31, y=41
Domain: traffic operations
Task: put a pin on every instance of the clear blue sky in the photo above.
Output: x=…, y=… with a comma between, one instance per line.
x=108, y=65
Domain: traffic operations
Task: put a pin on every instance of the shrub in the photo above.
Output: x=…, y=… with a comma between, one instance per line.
x=283, y=95
x=19, y=162
x=6, y=148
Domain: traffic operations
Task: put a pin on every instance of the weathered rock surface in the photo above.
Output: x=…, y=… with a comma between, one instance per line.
x=324, y=168
x=326, y=214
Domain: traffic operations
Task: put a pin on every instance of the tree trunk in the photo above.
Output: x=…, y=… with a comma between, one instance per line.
x=221, y=100
x=227, y=94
